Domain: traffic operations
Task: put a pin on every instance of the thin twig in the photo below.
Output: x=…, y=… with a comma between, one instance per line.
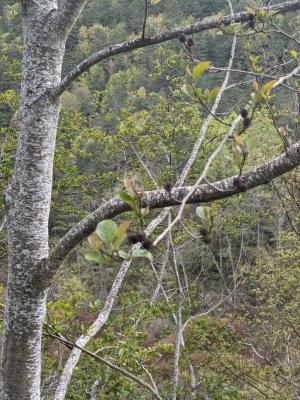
x=71, y=344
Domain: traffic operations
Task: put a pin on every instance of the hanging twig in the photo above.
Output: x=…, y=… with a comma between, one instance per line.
x=71, y=344
x=145, y=19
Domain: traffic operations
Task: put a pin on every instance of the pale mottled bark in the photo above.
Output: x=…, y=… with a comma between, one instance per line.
x=28, y=202
x=66, y=16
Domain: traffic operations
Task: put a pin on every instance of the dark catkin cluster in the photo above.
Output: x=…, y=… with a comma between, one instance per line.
x=188, y=41
x=205, y=236
x=246, y=119
x=182, y=38
x=137, y=237
x=239, y=183
x=168, y=186
x=247, y=122
x=141, y=237
x=244, y=112
x=251, y=22
x=147, y=244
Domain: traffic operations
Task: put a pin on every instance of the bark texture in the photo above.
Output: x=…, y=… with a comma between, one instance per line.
x=28, y=201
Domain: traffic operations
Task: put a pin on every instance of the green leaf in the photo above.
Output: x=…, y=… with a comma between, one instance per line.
x=200, y=69
x=121, y=232
x=188, y=74
x=198, y=93
x=213, y=93
x=125, y=197
x=95, y=242
x=203, y=212
x=268, y=86
x=97, y=302
x=250, y=10
x=141, y=253
x=123, y=254
x=294, y=54
x=261, y=14
x=107, y=231
x=93, y=257
x=188, y=89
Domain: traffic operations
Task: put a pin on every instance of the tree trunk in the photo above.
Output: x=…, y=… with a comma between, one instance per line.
x=28, y=203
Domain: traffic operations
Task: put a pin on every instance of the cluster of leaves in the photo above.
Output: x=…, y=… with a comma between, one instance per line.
x=108, y=241
x=190, y=88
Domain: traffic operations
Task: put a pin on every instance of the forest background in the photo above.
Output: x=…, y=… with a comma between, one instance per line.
x=230, y=272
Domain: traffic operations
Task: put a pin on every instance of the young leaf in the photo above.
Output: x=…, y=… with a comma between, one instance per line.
x=268, y=86
x=250, y=10
x=107, y=231
x=237, y=139
x=294, y=54
x=123, y=254
x=188, y=89
x=121, y=232
x=198, y=93
x=213, y=93
x=131, y=187
x=141, y=253
x=255, y=86
x=238, y=155
x=188, y=74
x=125, y=197
x=261, y=14
x=93, y=257
x=203, y=212
x=200, y=69
x=95, y=242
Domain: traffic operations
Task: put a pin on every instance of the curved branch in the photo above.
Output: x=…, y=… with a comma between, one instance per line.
x=160, y=198
x=160, y=38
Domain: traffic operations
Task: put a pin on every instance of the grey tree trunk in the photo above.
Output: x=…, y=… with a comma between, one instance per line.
x=28, y=204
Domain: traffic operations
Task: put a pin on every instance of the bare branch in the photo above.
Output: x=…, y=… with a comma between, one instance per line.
x=145, y=19
x=2, y=225
x=160, y=38
x=212, y=158
x=159, y=199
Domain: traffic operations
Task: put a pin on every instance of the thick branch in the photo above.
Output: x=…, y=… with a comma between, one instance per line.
x=160, y=198
x=162, y=37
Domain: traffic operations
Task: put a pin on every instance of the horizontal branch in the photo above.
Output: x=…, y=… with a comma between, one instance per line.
x=160, y=198
x=160, y=38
